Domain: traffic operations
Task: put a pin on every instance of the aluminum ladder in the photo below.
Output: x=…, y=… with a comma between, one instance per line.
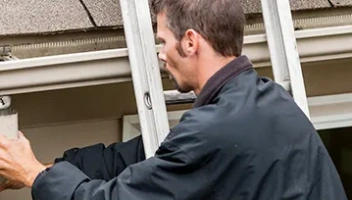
x=146, y=71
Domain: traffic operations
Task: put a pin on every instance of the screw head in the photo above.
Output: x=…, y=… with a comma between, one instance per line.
x=5, y=102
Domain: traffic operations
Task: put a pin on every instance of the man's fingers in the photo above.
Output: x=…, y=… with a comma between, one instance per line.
x=15, y=185
x=22, y=137
x=20, y=133
x=3, y=155
x=10, y=185
x=4, y=186
x=3, y=139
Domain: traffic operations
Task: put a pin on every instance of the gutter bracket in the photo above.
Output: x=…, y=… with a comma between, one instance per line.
x=5, y=53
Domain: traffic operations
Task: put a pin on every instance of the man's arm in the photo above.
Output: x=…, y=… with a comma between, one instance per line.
x=97, y=161
x=176, y=172
x=100, y=162
x=171, y=174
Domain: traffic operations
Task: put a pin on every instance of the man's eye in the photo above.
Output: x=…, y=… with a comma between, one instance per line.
x=160, y=41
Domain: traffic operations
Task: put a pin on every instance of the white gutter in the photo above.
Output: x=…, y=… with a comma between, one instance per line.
x=64, y=71
x=326, y=112
x=313, y=45
x=332, y=111
x=112, y=66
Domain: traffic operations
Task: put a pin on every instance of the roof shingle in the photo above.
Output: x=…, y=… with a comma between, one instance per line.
x=108, y=12
x=251, y=6
x=309, y=4
x=105, y=12
x=33, y=16
x=341, y=3
x=254, y=6
x=47, y=16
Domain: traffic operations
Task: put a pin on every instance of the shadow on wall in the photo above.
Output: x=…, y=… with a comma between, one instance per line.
x=339, y=145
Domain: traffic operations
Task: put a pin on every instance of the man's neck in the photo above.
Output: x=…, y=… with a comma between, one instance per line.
x=208, y=67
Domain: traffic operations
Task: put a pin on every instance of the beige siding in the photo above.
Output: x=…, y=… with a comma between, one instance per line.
x=49, y=142
x=58, y=120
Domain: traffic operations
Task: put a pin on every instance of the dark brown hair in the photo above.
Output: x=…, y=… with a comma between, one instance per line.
x=220, y=22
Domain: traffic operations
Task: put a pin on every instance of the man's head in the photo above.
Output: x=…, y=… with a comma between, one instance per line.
x=196, y=33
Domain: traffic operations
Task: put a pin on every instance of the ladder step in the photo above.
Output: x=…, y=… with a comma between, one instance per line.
x=173, y=97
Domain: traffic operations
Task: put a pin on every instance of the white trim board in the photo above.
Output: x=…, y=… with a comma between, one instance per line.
x=331, y=111
x=131, y=124
x=327, y=112
x=112, y=66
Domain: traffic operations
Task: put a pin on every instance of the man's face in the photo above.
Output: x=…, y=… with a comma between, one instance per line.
x=178, y=67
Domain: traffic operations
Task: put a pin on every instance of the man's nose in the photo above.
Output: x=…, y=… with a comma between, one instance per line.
x=161, y=56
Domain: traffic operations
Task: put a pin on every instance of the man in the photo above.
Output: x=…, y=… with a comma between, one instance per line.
x=245, y=138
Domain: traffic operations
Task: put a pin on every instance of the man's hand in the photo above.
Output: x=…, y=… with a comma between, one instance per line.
x=17, y=161
x=12, y=185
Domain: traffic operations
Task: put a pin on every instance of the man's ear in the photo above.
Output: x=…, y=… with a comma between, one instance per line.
x=191, y=42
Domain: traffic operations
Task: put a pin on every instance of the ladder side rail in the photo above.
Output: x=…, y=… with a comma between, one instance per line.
x=283, y=49
x=145, y=73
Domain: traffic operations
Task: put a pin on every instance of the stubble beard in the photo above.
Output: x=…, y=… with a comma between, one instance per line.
x=172, y=78
x=177, y=86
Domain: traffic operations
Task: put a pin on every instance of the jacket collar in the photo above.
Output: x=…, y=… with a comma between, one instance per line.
x=220, y=78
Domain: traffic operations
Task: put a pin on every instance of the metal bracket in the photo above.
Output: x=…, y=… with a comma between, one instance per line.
x=5, y=50
x=5, y=102
x=5, y=53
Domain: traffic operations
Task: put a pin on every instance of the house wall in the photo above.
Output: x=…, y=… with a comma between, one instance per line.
x=61, y=119
x=50, y=141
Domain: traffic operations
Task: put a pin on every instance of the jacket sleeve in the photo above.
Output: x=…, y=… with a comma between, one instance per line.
x=172, y=173
x=100, y=162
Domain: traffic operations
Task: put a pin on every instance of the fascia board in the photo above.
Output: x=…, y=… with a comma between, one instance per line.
x=327, y=112
x=112, y=66
x=331, y=111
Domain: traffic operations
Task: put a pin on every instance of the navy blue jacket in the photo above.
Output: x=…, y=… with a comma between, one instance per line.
x=245, y=138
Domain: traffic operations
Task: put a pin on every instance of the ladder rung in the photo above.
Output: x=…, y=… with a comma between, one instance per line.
x=285, y=85
x=173, y=97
